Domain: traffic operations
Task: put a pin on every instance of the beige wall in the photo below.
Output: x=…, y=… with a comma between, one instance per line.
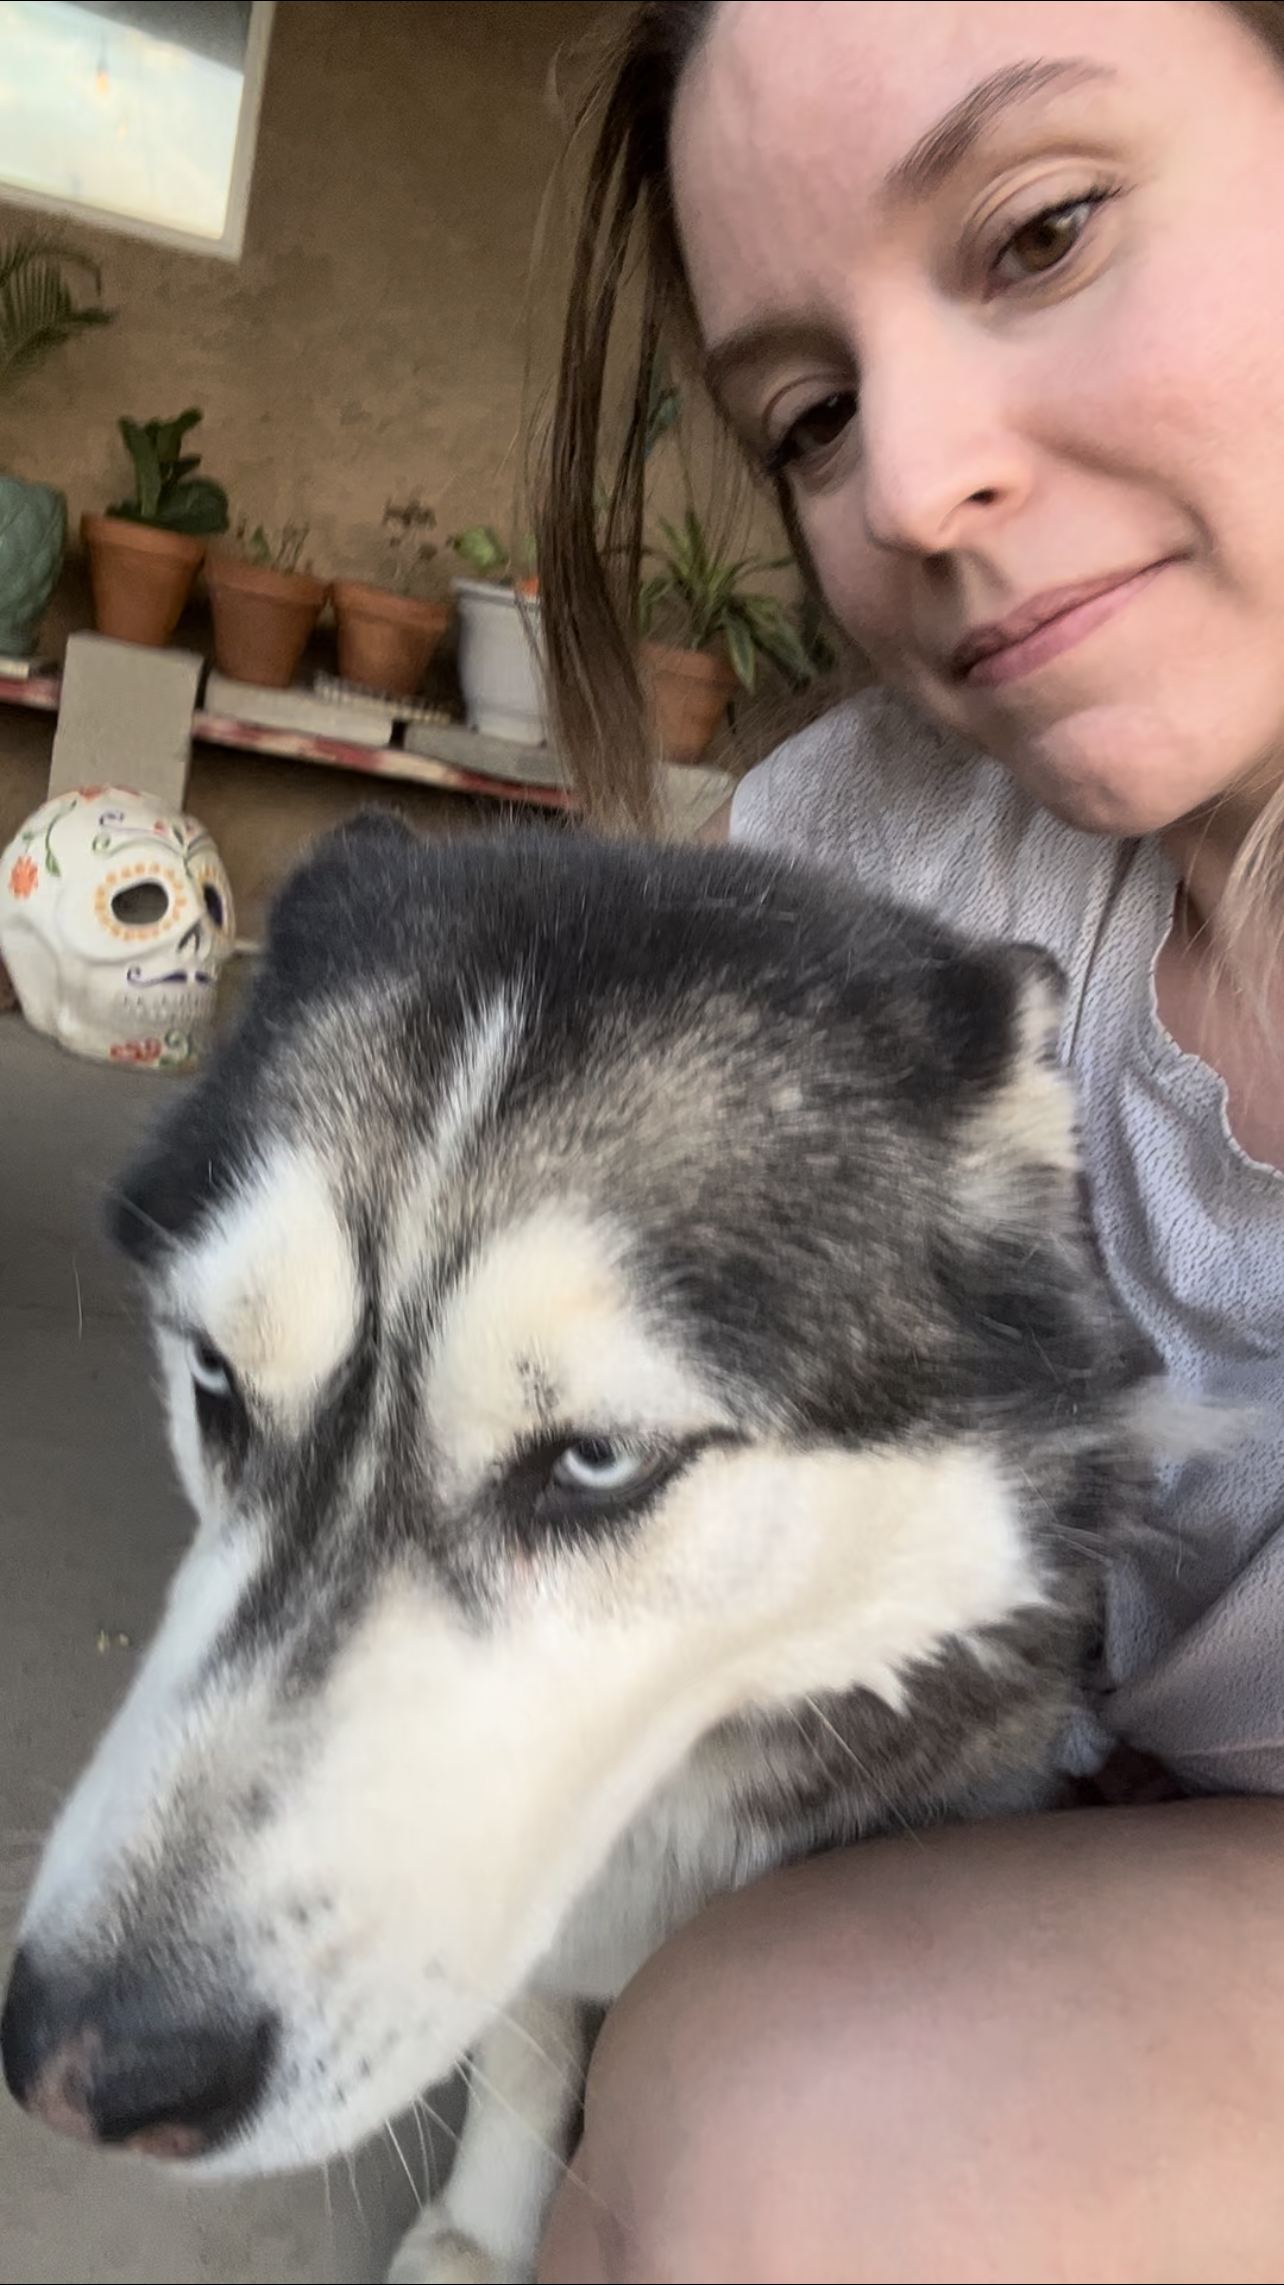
x=370, y=343
x=373, y=342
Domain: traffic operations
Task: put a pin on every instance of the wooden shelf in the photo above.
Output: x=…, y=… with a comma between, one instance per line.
x=461, y=763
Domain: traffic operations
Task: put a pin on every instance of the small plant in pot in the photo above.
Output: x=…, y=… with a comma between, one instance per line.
x=719, y=629
x=37, y=315
x=264, y=606
x=146, y=551
x=387, y=634
x=501, y=647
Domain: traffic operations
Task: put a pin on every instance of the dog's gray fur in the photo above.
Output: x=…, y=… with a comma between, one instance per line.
x=437, y=1741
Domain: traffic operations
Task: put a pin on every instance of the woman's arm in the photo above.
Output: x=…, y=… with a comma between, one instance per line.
x=1046, y=2049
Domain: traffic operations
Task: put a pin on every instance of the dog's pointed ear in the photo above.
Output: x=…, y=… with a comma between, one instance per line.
x=950, y=1014
x=337, y=907
x=338, y=914
x=1023, y=1145
x=997, y=1006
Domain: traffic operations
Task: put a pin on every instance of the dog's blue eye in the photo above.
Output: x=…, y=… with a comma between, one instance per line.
x=209, y=1370
x=597, y=1464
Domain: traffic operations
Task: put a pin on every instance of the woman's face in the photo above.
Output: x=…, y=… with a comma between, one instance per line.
x=1000, y=286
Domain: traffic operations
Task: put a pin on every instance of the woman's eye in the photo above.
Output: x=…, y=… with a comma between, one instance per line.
x=599, y=1464
x=210, y=1372
x=1045, y=241
x=814, y=432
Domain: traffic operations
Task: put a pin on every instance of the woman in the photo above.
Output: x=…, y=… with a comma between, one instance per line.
x=994, y=292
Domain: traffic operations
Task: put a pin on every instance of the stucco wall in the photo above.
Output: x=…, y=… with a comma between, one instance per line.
x=377, y=340
x=371, y=342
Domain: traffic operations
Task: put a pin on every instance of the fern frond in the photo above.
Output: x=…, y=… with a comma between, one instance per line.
x=37, y=310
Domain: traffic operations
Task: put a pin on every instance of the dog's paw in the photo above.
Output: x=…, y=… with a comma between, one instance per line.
x=434, y=2253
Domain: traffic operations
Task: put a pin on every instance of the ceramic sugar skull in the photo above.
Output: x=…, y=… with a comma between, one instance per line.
x=115, y=920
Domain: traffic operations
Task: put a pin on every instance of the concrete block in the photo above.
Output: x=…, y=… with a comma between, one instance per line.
x=125, y=718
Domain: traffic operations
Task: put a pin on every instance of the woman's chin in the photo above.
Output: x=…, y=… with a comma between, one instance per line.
x=1118, y=769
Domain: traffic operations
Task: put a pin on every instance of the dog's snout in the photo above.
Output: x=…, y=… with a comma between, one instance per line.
x=125, y=2064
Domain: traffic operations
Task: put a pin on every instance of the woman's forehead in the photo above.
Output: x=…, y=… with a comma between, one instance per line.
x=892, y=64
x=797, y=104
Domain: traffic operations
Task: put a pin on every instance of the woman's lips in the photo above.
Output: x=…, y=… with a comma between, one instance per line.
x=1045, y=627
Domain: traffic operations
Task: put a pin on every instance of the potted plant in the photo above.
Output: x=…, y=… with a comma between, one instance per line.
x=264, y=607
x=145, y=552
x=723, y=629
x=388, y=635
x=501, y=670
x=37, y=315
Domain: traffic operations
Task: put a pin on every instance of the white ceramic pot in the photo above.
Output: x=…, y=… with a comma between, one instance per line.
x=501, y=645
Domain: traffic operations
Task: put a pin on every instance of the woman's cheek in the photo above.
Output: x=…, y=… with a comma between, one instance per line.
x=865, y=588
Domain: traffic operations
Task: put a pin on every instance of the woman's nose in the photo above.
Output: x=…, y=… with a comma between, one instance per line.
x=943, y=456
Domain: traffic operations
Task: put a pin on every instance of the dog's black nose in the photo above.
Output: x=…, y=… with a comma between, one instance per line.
x=127, y=2063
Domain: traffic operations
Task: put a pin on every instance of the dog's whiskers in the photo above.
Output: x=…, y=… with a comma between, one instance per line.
x=391, y=2132
x=569, y=2061
x=356, y=2191
x=329, y=2209
x=416, y=2112
x=878, y=1792
x=476, y=2076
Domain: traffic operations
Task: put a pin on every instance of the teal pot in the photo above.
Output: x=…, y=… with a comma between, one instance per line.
x=33, y=538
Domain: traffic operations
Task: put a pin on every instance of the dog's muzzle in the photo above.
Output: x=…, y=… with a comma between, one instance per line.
x=126, y=2061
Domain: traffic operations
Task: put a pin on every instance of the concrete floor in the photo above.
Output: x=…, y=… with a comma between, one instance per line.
x=90, y=1528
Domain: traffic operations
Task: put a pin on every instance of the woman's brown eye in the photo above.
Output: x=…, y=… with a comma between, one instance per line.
x=814, y=431
x=1046, y=240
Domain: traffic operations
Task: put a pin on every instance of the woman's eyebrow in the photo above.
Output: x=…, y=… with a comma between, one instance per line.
x=944, y=147
x=922, y=171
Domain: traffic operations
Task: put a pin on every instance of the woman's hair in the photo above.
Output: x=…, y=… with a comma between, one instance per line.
x=589, y=552
x=629, y=303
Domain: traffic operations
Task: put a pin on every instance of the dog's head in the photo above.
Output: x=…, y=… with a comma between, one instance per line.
x=598, y=1292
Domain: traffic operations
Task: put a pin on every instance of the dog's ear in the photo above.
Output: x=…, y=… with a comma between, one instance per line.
x=948, y=1016
x=192, y=1157
x=1000, y=1005
x=371, y=825
x=355, y=888
x=338, y=914
x=1022, y=1160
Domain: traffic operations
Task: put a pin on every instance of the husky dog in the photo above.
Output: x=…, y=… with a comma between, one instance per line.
x=634, y=1345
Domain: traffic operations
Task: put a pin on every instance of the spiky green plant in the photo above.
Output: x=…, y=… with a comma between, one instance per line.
x=706, y=594
x=38, y=311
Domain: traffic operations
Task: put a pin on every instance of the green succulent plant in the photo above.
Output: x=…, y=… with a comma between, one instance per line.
x=167, y=492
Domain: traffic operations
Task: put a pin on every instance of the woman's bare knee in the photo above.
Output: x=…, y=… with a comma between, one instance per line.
x=1050, y=2050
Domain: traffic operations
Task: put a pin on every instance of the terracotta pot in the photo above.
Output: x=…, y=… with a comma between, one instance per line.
x=262, y=619
x=141, y=577
x=690, y=692
x=385, y=640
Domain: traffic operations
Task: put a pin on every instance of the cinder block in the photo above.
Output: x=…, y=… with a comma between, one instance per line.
x=125, y=718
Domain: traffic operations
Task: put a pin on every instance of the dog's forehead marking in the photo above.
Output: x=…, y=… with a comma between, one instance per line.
x=273, y=1282
x=483, y=1057
x=544, y=1328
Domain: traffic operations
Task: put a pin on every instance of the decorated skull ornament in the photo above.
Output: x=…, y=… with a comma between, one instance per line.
x=115, y=920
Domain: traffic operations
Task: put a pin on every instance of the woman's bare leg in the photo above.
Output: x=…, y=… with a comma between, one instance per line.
x=1041, y=2050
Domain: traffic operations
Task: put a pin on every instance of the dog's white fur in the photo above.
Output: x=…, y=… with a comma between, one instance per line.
x=556, y=1831
x=523, y=1150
